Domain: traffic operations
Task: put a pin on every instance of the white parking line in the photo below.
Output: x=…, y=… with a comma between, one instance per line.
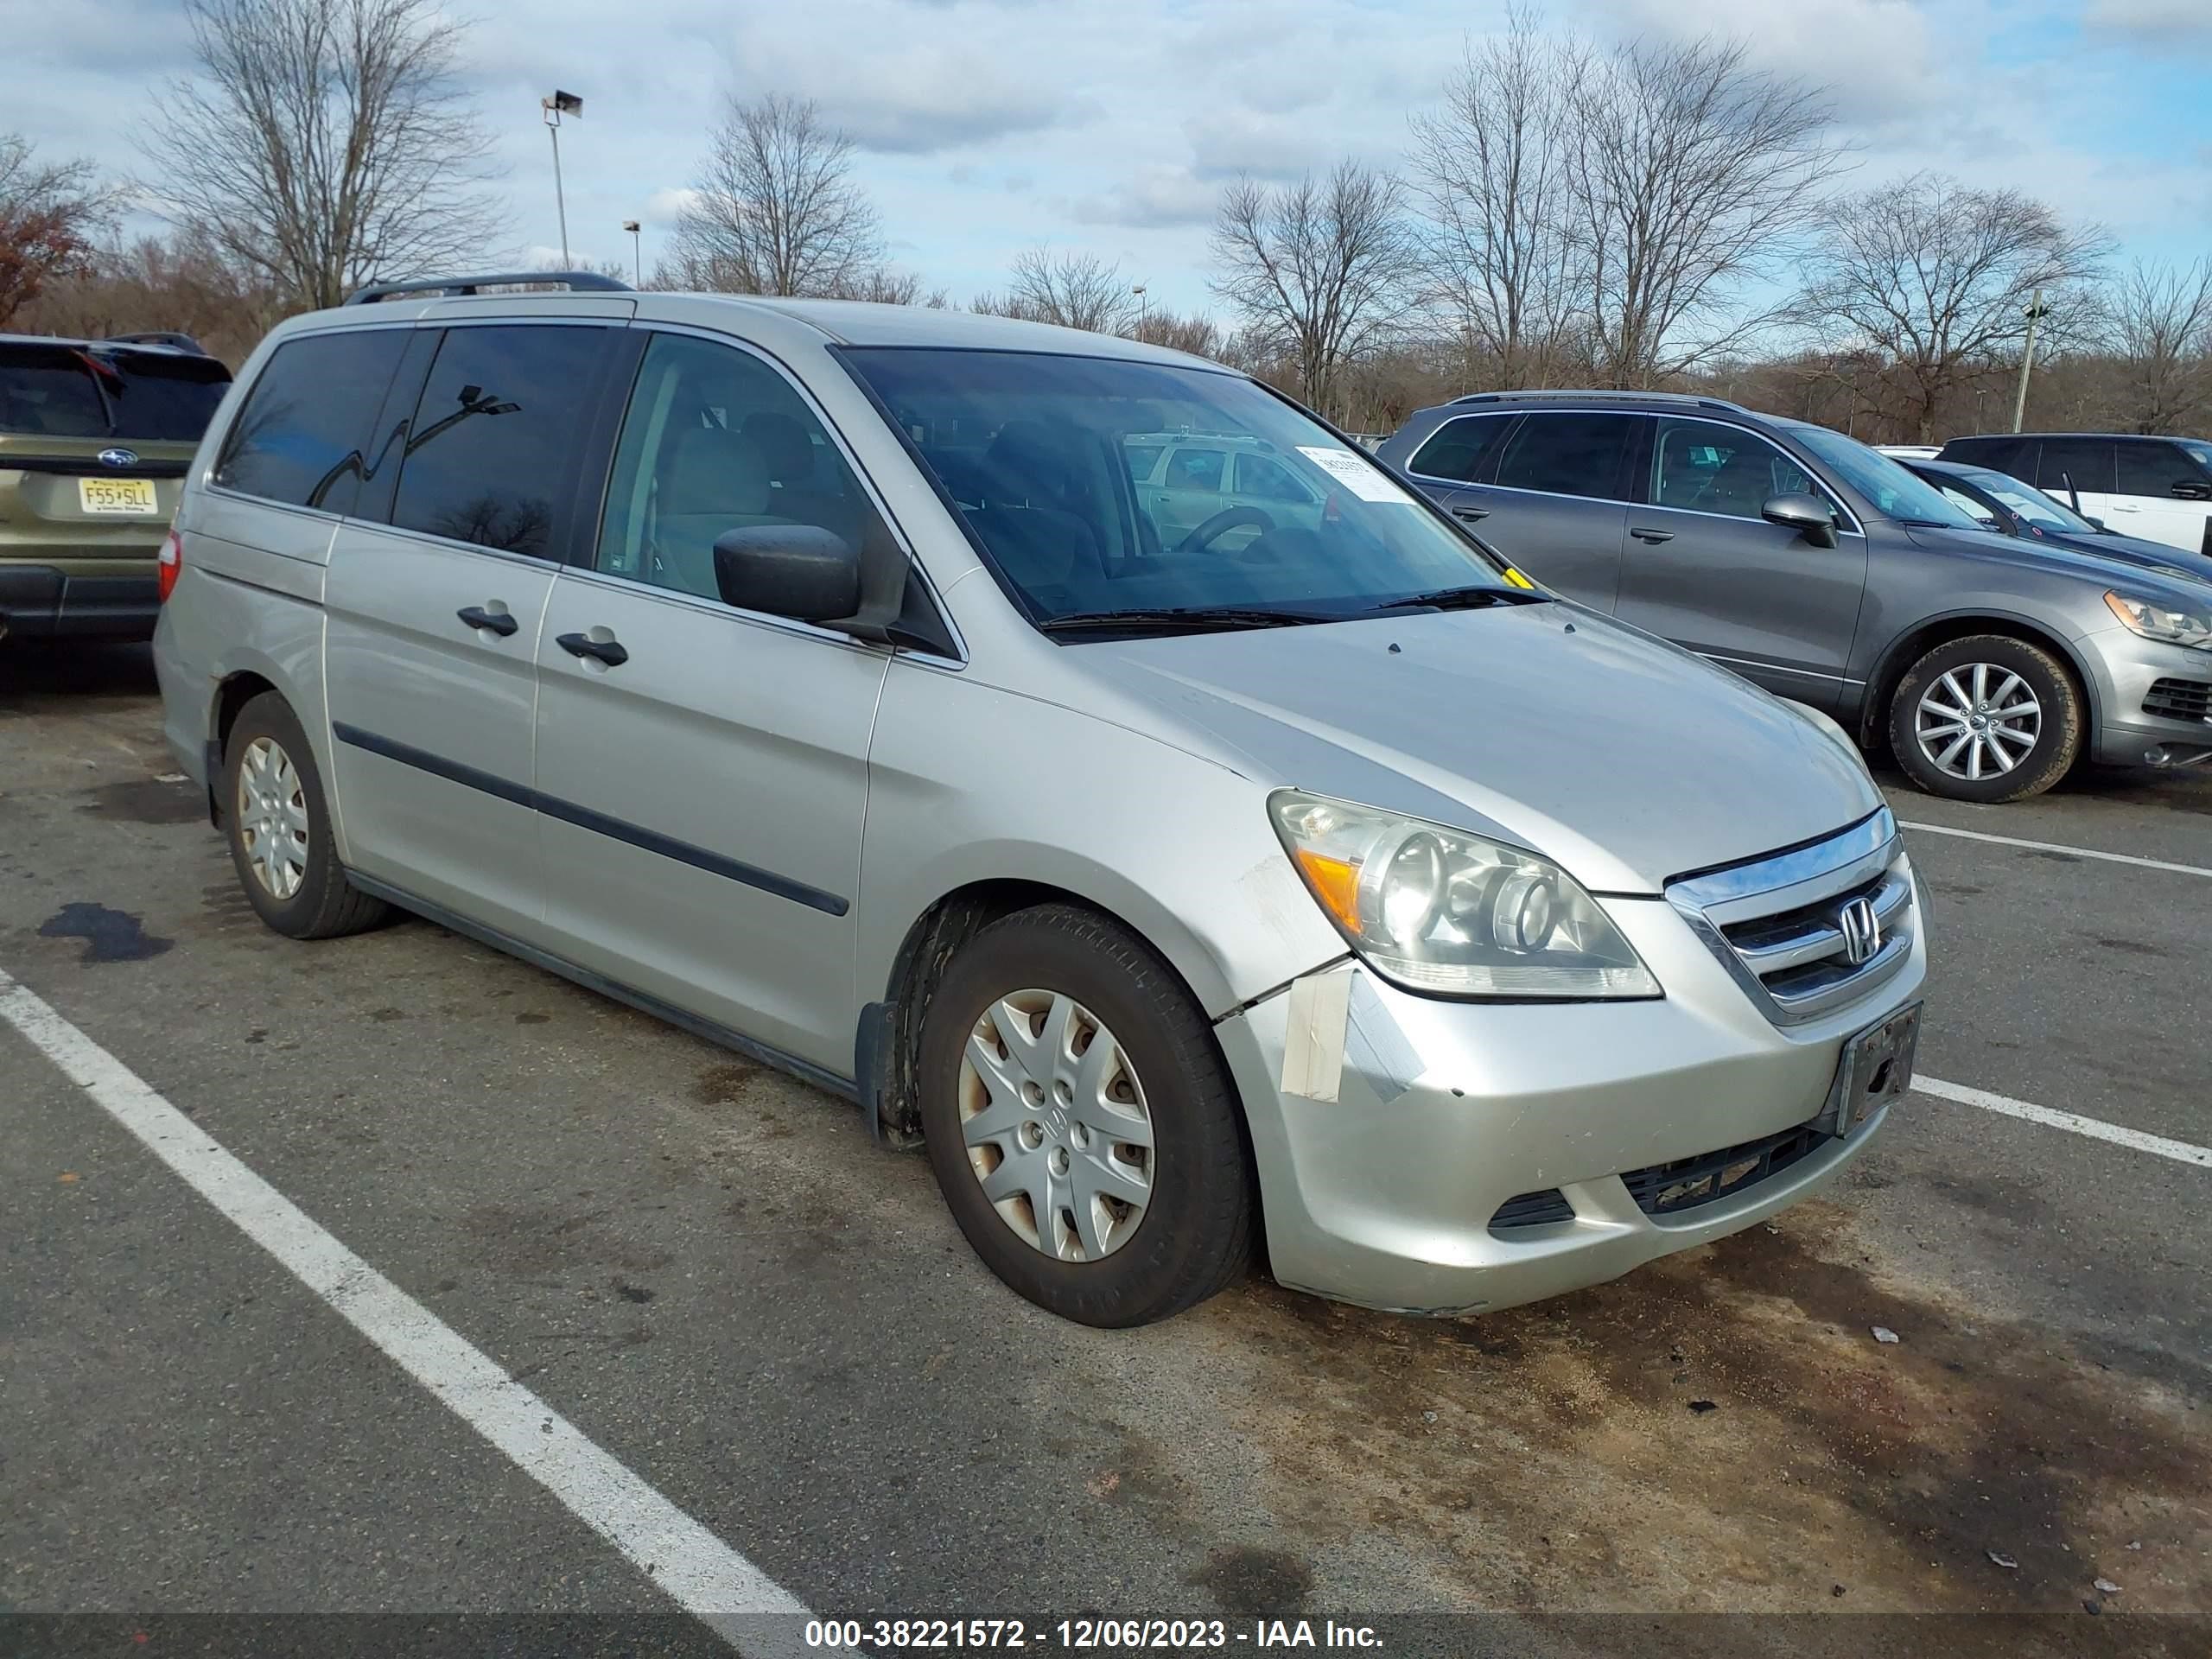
x=703, y=1574
x=2096, y=1129
x=2056, y=847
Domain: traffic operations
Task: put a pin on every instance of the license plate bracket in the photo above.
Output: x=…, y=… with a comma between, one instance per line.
x=1874, y=1069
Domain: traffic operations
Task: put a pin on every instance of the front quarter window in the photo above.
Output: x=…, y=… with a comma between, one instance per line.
x=1257, y=508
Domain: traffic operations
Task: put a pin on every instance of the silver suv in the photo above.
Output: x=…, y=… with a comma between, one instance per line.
x=1827, y=572
x=815, y=675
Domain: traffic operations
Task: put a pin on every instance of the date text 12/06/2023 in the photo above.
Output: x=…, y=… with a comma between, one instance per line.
x=1087, y=1634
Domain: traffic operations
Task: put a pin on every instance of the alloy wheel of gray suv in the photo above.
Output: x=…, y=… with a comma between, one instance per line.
x=1988, y=718
x=1080, y=1122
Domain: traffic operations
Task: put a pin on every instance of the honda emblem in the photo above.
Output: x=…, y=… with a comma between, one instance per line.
x=1862, y=931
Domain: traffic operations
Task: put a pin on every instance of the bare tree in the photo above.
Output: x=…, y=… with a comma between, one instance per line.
x=50, y=215
x=325, y=143
x=2158, y=320
x=1489, y=168
x=1688, y=177
x=180, y=282
x=1196, y=335
x=1076, y=291
x=1321, y=270
x=1938, y=277
x=777, y=209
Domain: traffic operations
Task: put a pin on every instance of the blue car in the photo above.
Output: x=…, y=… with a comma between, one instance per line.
x=2005, y=504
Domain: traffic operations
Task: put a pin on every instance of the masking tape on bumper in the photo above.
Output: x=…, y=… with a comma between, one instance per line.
x=1314, y=1045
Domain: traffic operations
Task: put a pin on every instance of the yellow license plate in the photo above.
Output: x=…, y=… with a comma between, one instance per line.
x=131, y=495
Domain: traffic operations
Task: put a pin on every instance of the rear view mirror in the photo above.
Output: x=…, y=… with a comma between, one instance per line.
x=1807, y=515
x=801, y=571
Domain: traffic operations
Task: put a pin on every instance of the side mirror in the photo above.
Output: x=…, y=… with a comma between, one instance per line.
x=2190, y=489
x=2098, y=524
x=801, y=571
x=1807, y=515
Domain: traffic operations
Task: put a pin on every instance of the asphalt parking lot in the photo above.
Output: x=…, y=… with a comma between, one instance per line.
x=711, y=1274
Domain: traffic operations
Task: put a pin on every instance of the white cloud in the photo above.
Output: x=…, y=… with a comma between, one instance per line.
x=2158, y=21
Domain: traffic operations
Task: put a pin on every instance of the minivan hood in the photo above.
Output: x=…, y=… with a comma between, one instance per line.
x=1624, y=759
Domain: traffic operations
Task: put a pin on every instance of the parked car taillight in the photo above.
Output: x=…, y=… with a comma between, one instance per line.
x=170, y=562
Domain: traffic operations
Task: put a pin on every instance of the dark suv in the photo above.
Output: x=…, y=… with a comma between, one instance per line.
x=95, y=435
x=1830, y=574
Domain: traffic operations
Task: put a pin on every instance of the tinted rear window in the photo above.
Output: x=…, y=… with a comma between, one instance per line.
x=1568, y=455
x=1456, y=449
x=304, y=433
x=63, y=392
x=497, y=436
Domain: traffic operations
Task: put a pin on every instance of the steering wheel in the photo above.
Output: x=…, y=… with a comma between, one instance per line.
x=1221, y=524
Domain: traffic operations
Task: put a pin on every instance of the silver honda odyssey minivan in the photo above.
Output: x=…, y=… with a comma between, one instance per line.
x=838, y=682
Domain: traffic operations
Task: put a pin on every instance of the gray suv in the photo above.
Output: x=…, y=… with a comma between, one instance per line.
x=1831, y=575
x=818, y=677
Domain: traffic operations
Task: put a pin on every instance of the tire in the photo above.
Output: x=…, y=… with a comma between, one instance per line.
x=1193, y=1235
x=308, y=897
x=2012, y=674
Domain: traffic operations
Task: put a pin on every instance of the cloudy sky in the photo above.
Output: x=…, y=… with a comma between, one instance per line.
x=986, y=126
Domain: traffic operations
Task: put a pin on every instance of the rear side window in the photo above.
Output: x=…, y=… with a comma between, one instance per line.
x=304, y=433
x=73, y=391
x=497, y=436
x=2077, y=463
x=1458, y=449
x=2155, y=468
x=1568, y=455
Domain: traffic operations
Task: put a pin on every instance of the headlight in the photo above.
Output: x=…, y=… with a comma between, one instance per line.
x=1450, y=914
x=2154, y=621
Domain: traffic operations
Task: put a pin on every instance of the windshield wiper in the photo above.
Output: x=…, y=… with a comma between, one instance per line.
x=1462, y=599
x=1194, y=619
x=1937, y=523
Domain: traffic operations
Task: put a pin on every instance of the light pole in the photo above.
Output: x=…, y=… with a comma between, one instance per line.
x=2037, y=312
x=1143, y=308
x=558, y=105
x=637, y=256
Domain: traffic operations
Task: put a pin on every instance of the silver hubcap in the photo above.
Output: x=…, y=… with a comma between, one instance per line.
x=1979, y=720
x=1055, y=1125
x=272, y=818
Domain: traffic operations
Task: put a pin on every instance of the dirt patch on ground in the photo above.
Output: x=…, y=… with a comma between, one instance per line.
x=1553, y=1453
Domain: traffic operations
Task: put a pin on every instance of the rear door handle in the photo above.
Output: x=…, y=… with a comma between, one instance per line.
x=1472, y=515
x=610, y=651
x=1655, y=536
x=498, y=621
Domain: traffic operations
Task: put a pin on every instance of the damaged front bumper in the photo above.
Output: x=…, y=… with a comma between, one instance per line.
x=1393, y=1127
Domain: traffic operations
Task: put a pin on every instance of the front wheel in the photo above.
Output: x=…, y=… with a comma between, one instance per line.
x=1080, y=1121
x=1989, y=718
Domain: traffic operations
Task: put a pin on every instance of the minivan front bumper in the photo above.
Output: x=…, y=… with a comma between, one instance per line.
x=1385, y=1196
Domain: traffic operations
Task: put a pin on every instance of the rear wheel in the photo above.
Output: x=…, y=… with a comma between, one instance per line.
x=278, y=822
x=1987, y=718
x=1080, y=1122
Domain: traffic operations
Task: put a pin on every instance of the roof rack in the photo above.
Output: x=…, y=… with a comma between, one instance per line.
x=573, y=280
x=1689, y=398
x=173, y=341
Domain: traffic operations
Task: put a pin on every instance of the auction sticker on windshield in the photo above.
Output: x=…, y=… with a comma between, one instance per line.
x=1355, y=475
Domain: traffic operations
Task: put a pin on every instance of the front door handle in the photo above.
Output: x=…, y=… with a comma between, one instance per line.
x=1472, y=515
x=609, y=651
x=498, y=621
x=1655, y=536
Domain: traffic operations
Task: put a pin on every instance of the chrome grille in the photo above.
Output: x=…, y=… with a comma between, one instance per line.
x=1812, y=929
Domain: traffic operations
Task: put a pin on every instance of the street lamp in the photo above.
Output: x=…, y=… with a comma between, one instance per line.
x=1143, y=307
x=558, y=105
x=637, y=256
x=2037, y=312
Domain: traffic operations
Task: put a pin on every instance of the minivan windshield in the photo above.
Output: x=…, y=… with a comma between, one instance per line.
x=1102, y=487
x=1887, y=487
x=57, y=391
